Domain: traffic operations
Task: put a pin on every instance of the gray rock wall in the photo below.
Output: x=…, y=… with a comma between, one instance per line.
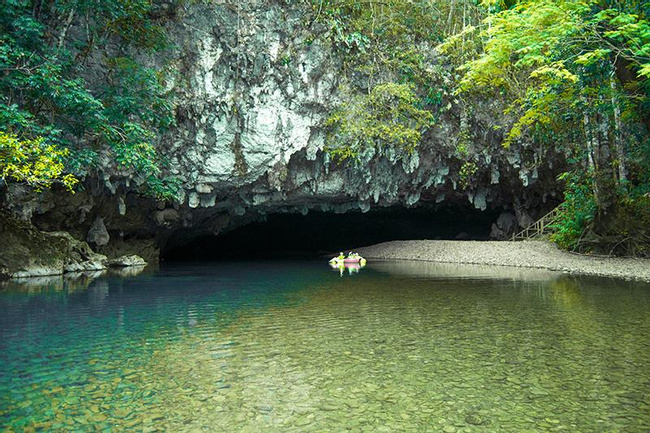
x=252, y=88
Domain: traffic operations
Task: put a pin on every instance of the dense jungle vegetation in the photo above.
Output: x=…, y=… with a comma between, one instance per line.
x=572, y=76
x=56, y=123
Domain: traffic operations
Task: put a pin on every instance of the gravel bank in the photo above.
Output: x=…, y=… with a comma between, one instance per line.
x=528, y=254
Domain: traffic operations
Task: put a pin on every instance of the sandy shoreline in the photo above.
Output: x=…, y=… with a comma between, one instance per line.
x=528, y=254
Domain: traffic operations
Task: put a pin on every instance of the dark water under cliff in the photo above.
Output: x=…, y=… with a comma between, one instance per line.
x=295, y=346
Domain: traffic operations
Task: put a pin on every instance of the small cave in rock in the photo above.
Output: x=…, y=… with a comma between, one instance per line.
x=320, y=233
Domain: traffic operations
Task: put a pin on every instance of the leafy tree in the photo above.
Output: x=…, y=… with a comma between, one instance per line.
x=33, y=162
x=389, y=117
x=394, y=90
x=575, y=75
x=44, y=97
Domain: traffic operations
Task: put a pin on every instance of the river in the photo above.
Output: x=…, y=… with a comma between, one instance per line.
x=296, y=346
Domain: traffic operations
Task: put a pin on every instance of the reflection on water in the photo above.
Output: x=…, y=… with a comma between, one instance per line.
x=71, y=281
x=421, y=269
x=349, y=268
x=279, y=346
x=128, y=271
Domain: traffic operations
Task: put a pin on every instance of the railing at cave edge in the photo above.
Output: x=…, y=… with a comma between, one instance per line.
x=542, y=226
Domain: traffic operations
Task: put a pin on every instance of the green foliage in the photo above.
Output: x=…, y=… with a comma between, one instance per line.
x=574, y=78
x=573, y=227
x=564, y=62
x=386, y=49
x=80, y=161
x=391, y=40
x=390, y=116
x=44, y=96
x=130, y=19
x=634, y=232
x=466, y=172
x=639, y=161
x=33, y=162
x=577, y=212
x=132, y=87
x=166, y=188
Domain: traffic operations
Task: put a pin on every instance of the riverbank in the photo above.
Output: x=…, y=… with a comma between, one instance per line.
x=527, y=254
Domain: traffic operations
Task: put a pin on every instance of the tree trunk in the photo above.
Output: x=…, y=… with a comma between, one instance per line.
x=591, y=157
x=589, y=137
x=626, y=74
x=605, y=181
x=450, y=19
x=66, y=27
x=618, y=135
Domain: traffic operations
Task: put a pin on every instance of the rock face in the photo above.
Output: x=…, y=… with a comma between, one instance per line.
x=127, y=261
x=252, y=91
x=98, y=234
x=26, y=251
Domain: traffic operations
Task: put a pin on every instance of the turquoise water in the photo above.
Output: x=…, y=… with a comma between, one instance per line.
x=296, y=346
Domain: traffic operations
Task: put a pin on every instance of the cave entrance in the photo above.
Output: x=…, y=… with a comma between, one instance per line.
x=320, y=233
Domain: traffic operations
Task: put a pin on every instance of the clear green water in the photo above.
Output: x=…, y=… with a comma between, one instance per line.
x=280, y=346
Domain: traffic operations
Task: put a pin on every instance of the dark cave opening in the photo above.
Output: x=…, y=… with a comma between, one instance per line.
x=320, y=233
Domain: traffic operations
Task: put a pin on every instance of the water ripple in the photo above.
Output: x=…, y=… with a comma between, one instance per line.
x=292, y=347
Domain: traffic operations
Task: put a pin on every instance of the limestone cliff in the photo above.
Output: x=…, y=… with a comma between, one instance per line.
x=252, y=88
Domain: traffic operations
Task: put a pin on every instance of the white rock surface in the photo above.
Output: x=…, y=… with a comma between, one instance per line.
x=127, y=261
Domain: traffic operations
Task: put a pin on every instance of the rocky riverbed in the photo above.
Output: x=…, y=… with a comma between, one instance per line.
x=528, y=254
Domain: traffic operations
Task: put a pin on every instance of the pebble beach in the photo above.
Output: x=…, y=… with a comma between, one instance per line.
x=527, y=254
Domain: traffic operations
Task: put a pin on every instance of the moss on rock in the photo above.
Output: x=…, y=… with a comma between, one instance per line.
x=26, y=251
